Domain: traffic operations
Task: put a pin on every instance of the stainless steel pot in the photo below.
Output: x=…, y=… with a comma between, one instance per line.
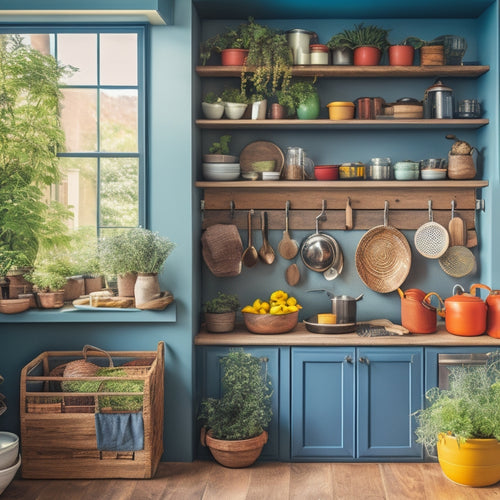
x=343, y=306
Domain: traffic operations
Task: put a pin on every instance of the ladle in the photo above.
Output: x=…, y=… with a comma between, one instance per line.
x=250, y=255
x=266, y=251
x=287, y=247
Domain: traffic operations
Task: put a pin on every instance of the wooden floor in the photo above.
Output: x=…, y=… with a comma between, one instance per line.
x=272, y=480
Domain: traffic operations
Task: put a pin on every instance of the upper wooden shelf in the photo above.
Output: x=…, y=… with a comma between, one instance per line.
x=358, y=71
x=385, y=124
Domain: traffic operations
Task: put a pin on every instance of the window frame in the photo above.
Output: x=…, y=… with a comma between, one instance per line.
x=142, y=31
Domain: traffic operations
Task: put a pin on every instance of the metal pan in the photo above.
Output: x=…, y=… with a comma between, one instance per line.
x=383, y=257
x=313, y=326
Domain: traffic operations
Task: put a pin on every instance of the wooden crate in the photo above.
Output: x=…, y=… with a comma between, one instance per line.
x=58, y=436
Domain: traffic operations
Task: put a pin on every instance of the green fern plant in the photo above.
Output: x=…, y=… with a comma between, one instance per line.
x=469, y=409
x=244, y=409
x=371, y=36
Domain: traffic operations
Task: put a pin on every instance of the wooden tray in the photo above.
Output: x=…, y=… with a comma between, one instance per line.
x=261, y=151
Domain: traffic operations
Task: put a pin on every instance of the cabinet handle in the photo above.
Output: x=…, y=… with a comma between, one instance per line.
x=348, y=359
x=364, y=360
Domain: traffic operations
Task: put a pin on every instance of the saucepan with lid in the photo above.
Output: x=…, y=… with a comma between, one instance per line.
x=343, y=306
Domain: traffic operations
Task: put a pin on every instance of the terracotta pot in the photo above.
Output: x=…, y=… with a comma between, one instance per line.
x=473, y=463
x=401, y=55
x=220, y=322
x=18, y=283
x=147, y=287
x=234, y=57
x=74, y=288
x=126, y=284
x=237, y=453
x=367, y=56
x=51, y=300
x=278, y=112
x=493, y=318
x=432, y=55
x=93, y=284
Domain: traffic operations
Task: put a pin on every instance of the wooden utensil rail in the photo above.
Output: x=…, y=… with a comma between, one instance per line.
x=229, y=202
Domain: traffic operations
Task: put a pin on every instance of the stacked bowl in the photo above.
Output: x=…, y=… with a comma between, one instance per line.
x=10, y=460
x=221, y=171
x=433, y=169
x=406, y=170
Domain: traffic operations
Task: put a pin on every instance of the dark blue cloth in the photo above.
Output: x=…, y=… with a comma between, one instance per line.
x=119, y=431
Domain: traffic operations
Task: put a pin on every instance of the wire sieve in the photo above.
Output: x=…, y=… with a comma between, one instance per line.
x=431, y=239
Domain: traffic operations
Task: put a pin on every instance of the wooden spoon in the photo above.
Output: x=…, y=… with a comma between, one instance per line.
x=457, y=229
x=292, y=274
x=287, y=247
x=266, y=251
x=250, y=255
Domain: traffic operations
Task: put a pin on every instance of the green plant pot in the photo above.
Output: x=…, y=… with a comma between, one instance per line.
x=309, y=110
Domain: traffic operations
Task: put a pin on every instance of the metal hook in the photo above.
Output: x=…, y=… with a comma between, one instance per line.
x=431, y=216
x=287, y=208
x=452, y=209
x=386, y=213
x=231, y=208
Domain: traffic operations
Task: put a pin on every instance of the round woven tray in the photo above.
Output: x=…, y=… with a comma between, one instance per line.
x=383, y=259
x=457, y=261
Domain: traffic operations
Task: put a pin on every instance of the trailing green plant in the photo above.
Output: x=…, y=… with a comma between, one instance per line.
x=369, y=36
x=469, y=409
x=222, y=303
x=221, y=147
x=233, y=95
x=30, y=138
x=135, y=250
x=244, y=409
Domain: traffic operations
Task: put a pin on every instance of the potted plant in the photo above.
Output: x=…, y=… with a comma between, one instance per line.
x=219, y=151
x=234, y=424
x=464, y=423
x=212, y=106
x=369, y=43
x=403, y=53
x=341, y=47
x=235, y=103
x=139, y=252
x=220, y=313
x=301, y=98
x=431, y=51
x=49, y=279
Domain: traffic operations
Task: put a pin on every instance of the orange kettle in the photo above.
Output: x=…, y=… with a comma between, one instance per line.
x=493, y=322
x=417, y=316
x=464, y=313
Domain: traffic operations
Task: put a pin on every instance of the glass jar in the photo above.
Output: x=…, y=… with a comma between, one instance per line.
x=379, y=169
x=319, y=54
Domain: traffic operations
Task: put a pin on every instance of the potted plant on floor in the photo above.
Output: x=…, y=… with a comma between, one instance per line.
x=234, y=424
x=464, y=423
x=220, y=313
x=369, y=43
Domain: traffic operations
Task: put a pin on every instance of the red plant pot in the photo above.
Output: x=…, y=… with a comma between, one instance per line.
x=326, y=172
x=401, y=55
x=366, y=56
x=234, y=57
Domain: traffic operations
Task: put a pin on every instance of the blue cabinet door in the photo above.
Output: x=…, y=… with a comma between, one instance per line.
x=209, y=385
x=322, y=403
x=389, y=391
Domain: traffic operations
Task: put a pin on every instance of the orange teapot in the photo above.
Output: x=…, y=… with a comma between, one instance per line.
x=464, y=313
x=416, y=315
x=493, y=320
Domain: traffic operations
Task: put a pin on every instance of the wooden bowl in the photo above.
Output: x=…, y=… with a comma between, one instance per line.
x=271, y=323
x=13, y=306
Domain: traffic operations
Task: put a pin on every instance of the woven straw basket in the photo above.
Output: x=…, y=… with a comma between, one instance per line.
x=222, y=249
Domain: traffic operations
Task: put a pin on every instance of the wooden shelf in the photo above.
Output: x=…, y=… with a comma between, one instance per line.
x=358, y=71
x=383, y=124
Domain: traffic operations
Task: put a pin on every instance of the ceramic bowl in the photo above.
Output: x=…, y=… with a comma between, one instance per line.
x=433, y=174
x=406, y=165
x=234, y=110
x=270, y=176
x=406, y=175
x=13, y=306
x=250, y=176
x=433, y=163
x=7, y=475
x=9, y=449
x=264, y=165
x=221, y=171
x=212, y=111
x=271, y=323
x=214, y=158
x=326, y=172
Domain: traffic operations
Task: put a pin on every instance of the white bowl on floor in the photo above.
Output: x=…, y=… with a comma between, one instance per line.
x=7, y=475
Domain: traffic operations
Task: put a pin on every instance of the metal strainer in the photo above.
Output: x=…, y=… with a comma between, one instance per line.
x=431, y=239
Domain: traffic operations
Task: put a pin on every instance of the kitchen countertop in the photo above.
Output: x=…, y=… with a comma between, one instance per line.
x=301, y=337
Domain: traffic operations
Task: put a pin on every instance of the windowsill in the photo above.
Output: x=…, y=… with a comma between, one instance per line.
x=69, y=314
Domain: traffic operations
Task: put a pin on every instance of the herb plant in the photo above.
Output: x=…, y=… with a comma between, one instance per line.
x=221, y=147
x=371, y=36
x=298, y=93
x=469, y=409
x=223, y=303
x=233, y=95
x=211, y=98
x=244, y=409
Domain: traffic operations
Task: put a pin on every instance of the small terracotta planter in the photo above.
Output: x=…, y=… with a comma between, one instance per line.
x=51, y=300
x=401, y=55
x=234, y=57
x=367, y=56
x=220, y=322
x=126, y=284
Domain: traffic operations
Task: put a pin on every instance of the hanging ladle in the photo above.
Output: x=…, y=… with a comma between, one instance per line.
x=250, y=255
x=266, y=252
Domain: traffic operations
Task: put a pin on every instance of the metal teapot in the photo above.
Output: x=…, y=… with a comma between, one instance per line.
x=438, y=101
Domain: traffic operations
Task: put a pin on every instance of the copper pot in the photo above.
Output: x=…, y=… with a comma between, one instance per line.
x=417, y=315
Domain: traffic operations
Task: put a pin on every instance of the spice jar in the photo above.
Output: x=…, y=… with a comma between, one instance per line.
x=319, y=53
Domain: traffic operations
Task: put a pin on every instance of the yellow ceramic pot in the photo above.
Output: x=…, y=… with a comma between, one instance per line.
x=473, y=463
x=340, y=110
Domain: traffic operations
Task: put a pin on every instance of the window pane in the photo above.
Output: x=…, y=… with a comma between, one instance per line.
x=80, y=51
x=118, y=59
x=79, y=119
x=119, y=180
x=78, y=190
x=119, y=121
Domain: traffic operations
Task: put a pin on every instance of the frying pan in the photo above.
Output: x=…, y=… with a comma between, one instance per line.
x=383, y=257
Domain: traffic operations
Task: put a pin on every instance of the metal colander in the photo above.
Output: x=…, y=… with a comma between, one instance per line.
x=431, y=239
